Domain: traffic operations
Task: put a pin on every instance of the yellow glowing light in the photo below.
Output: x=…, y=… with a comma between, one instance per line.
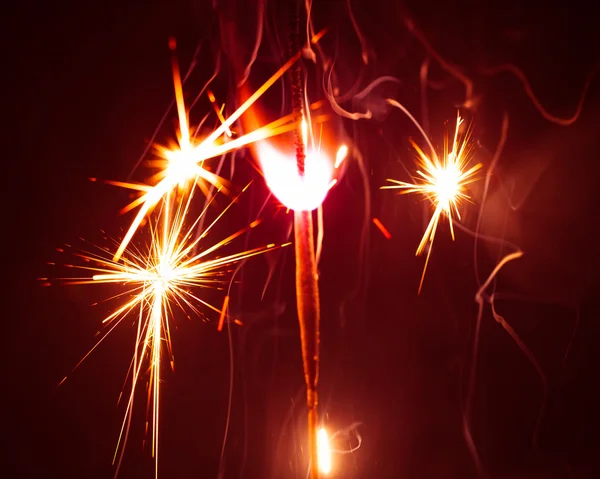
x=154, y=283
x=324, y=451
x=443, y=182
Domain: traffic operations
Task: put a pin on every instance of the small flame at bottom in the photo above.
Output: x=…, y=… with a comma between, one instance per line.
x=324, y=451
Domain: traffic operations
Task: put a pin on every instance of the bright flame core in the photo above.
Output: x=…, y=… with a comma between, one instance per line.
x=181, y=167
x=324, y=451
x=446, y=185
x=297, y=192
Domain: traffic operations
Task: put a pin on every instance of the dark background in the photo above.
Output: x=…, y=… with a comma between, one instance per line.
x=87, y=84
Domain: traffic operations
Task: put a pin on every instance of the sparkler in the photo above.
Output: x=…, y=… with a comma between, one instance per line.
x=301, y=182
x=443, y=182
x=303, y=191
x=156, y=281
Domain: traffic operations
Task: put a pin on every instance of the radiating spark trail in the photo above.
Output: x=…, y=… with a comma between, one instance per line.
x=443, y=182
x=155, y=281
x=183, y=164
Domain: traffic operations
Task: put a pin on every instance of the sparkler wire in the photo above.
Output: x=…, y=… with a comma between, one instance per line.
x=307, y=279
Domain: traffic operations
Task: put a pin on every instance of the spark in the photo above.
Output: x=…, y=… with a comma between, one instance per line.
x=182, y=164
x=382, y=228
x=155, y=282
x=324, y=451
x=443, y=182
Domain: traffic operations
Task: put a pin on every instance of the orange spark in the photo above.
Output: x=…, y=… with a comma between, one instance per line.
x=382, y=228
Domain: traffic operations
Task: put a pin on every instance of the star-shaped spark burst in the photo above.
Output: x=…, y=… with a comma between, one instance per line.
x=165, y=275
x=443, y=183
x=183, y=164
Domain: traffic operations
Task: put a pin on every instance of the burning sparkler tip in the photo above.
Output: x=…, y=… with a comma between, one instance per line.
x=223, y=313
x=442, y=181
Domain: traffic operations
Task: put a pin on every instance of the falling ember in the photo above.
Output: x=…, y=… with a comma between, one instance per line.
x=382, y=228
x=223, y=313
x=156, y=281
x=443, y=183
x=324, y=451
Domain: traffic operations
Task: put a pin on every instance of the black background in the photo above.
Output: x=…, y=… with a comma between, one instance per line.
x=87, y=86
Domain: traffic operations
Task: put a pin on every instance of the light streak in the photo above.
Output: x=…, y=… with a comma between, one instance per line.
x=443, y=182
x=156, y=281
